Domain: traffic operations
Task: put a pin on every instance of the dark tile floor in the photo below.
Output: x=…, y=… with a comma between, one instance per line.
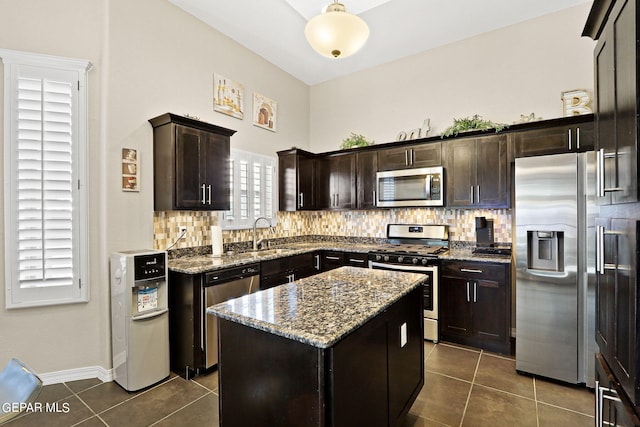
x=463, y=387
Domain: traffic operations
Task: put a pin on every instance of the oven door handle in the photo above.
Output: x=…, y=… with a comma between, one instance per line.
x=402, y=267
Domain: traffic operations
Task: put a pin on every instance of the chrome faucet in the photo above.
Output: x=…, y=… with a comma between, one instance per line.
x=257, y=242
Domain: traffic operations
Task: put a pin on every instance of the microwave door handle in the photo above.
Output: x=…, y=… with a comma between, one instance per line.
x=427, y=185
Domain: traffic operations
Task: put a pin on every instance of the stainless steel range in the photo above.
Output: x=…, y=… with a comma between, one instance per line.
x=415, y=248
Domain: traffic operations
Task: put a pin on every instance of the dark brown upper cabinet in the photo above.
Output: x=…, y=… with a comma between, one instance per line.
x=562, y=138
x=366, y=168
x=191, y=164
x=296, y=180
x=336, y=182
x=614, y=24
x=477, y=172
x=413, y=156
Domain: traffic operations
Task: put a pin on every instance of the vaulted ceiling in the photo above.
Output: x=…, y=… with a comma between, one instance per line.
x=274, y=29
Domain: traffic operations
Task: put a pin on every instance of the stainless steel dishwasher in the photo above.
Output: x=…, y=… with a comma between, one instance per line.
x=220, y=286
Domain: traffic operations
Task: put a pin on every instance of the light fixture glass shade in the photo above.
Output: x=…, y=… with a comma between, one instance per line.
x=336, y=33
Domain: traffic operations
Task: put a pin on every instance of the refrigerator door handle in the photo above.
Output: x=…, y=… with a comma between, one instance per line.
x=600, y=173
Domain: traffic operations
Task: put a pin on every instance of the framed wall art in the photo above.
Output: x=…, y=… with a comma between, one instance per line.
x=228, y=96
x=265, y=112
x=130, y=170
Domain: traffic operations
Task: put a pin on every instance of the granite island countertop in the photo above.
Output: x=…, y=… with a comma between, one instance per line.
x=322, y=309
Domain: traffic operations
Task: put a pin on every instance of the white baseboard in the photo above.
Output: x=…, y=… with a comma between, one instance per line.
x=68, y=375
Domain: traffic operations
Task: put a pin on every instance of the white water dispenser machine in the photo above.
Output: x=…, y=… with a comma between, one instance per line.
x=139, y=318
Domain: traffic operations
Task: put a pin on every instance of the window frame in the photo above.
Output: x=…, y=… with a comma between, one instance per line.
x=230, y=220
x=18, y=65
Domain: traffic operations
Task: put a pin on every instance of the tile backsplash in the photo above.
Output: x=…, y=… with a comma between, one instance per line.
x=370, y=223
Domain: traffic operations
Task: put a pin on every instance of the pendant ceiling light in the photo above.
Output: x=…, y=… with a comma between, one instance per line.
x=336, y=33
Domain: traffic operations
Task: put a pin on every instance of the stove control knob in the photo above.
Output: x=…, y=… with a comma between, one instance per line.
x=415, y=260
x=386, y=257
x=378, y=257
x=400, y=258
x=424, y=261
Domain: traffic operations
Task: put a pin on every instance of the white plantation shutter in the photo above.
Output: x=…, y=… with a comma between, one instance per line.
x=253, y=190
x=45, y=204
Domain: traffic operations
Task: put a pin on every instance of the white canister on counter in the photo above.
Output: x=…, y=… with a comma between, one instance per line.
x=216, y=241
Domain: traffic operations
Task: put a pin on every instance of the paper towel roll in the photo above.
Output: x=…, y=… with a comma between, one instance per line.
x=216, y=241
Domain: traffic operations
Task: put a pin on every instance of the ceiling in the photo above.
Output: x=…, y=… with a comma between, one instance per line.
x=274, y=29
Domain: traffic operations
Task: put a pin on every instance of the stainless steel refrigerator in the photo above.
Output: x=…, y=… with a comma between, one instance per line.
x=555, y=266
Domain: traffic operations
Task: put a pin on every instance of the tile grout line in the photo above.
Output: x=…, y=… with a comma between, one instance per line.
x=475, y=372
x=183, y=407
x=535, y=396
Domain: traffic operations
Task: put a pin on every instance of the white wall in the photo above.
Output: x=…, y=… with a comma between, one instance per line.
x=149, y=58
x=500, y=75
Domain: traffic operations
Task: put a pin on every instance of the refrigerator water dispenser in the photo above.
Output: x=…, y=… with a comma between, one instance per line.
x=545, y=250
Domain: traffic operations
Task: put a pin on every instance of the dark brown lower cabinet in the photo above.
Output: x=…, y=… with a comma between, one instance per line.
x=475, y=302
x=613, y=408
x=288, y=269
x=367, y=378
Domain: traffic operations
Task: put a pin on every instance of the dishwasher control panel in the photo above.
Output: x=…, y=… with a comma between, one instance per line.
x=228, y=274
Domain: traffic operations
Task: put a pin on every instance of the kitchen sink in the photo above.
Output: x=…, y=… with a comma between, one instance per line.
x=267, y=252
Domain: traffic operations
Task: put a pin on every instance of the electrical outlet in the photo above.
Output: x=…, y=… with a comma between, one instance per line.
x=183, y=229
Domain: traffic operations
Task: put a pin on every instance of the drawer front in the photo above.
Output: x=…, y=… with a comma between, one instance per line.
x=479, y=270
x=357, y=259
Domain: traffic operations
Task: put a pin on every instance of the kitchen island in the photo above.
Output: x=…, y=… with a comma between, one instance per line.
x=340, y=348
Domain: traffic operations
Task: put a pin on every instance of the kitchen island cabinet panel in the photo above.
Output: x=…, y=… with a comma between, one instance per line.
x=317, y=360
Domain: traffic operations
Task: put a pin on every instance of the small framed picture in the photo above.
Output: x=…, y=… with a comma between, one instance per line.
x=265, y=112
x=228, y=96
x=130, y=170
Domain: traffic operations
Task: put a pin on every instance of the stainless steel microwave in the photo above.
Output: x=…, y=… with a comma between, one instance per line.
x=410, y=187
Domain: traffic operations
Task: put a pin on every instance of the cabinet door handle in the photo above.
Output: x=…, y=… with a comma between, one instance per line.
x=598, y=405
x=411, y=156
x=577, y=138
x=202, y=314
x=358, y=261
x=475, y=292
x=209, y=190
x=569, y=139
x=471, y=191
x=470, y=270
x=375, y=200
x=203, y=193
x=600, y=249
x=317, y=266
x=477, y=194
x=301, y=200
x=468, y=299
x=334, y=258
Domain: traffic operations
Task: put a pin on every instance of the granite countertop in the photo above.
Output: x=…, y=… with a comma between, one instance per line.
x=467, y=254
x=322, y=309
x=204, y=263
